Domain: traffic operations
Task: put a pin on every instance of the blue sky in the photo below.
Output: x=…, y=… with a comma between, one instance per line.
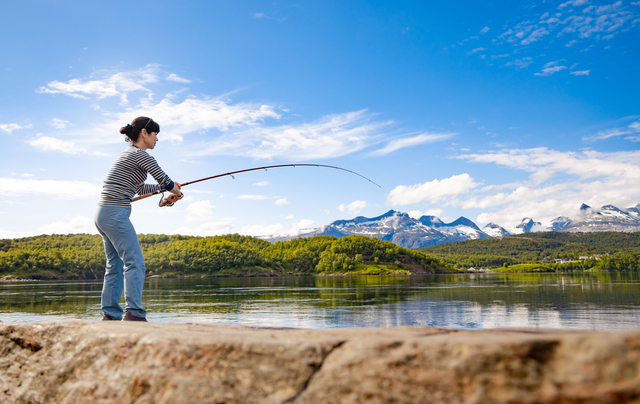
x=493, y=111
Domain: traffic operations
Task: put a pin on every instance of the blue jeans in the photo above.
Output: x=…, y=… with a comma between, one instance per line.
x=125, y=264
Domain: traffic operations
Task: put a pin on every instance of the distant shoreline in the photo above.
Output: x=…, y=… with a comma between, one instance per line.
x=7, y=279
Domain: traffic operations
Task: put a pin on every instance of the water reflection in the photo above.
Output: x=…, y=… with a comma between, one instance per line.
x=599, y=301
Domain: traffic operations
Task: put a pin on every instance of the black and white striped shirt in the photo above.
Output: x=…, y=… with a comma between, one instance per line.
x=126, y=178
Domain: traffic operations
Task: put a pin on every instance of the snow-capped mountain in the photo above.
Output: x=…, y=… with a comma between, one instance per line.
x=607, y=218
x=526, y=226
x=401, y=229
x=493, y=230
x=426, y=231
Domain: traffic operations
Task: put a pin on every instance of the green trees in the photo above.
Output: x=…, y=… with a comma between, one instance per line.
x=536, y=247
x=81, y=256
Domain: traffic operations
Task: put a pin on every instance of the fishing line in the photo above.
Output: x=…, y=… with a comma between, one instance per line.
x=172, y=198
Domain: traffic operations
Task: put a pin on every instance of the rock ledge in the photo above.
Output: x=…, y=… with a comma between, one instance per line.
x=116, y=362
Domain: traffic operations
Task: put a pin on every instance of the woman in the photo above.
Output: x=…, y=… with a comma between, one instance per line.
x=125, y=267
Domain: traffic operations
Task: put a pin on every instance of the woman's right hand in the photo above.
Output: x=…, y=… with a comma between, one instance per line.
x=176, y=190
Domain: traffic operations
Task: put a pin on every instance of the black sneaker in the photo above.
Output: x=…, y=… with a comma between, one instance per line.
x=130, y=317
x=106, y=317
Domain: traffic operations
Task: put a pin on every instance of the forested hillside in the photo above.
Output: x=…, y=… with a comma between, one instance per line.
x=537, y=247
x=82, y=256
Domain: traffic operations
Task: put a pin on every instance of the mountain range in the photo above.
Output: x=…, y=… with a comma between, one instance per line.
x=405, y=231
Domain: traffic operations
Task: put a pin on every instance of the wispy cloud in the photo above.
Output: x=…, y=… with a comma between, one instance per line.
x=177, y=79
x=353, y=208
x=10, y=127
x=200, y=211
x=521, y=63
x=104, y=84
x=616, y=132
x=332, y=136
x=550, y=68
x=412, y=141
x=61, y=189
x=535, y=36
x=222, y=127
x=573, y=3
x=558, y=183
x=580, y=72
x=208, y=229
x=476, y=50
x=432, y=191
x=47, y=143
x=257, y=230
x=60, y=123
x=578, y=20
x=78, y=224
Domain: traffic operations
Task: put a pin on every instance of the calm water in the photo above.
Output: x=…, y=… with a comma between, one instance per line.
x=598, y=301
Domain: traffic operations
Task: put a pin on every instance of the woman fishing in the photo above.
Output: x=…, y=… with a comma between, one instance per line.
x=125, y=267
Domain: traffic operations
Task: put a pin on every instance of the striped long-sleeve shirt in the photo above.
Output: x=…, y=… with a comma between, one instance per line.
x=127, y=175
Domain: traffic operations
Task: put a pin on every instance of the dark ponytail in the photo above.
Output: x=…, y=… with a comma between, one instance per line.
x=132, y=131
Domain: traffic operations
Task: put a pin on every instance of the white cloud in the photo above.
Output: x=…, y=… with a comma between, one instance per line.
x=398, y=144
x=262, y=183
x=197, y=114
x=570, y=179
x=79, y=224
x=484, y=30
x=256, y=197
x=332, y=136
x=416, y=214
x=10, y=127
x=521, y=63
x=353, y=208
x=60, y=189
x=116, y=84
x=282, y=202
x=277, y=229
x=433, y=191
x=635, y=126
x=47, y=143
x=227, y=128
x=550, y=68
x=177, y=79
x=535, y=36
x=573, y=3
x=476, y=50
x=206, y=229
x=263, y=230
x=581, y=72
x=59, y=123
x=199, y=211
x=606, y=134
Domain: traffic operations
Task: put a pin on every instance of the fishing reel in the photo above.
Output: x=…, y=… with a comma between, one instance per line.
x=169, y=200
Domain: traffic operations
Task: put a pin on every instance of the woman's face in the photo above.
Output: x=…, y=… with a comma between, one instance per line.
x=150, y=139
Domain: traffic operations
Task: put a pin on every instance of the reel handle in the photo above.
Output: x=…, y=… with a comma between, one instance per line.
x=169, y=200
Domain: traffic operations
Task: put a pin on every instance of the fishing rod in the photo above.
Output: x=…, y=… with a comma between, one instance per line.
x=171, y=199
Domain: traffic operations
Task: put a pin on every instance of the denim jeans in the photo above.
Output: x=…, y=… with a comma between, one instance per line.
x=125, y=264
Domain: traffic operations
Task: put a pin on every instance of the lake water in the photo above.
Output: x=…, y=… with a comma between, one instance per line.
x=594, y=301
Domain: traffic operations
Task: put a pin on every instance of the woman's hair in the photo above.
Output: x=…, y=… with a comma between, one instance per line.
x=132, y=131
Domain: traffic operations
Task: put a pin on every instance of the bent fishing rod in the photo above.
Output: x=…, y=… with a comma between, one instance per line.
x=171, y=199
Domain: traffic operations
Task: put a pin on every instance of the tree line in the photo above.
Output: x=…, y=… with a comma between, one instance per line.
x=531, y=248
x=81, y=256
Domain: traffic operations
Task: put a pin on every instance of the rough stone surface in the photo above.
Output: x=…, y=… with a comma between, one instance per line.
x=117, y=362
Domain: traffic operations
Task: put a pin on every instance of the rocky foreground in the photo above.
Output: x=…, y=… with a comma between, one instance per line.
x=116, y=362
